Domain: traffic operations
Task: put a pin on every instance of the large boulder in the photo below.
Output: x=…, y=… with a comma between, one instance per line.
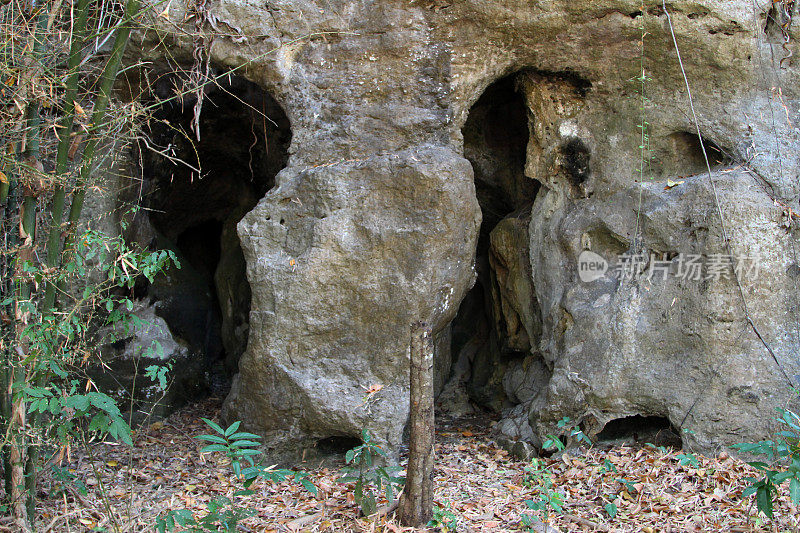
x=342, y=260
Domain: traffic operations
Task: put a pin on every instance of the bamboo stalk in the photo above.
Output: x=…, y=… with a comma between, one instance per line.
x=28, y=454
x=107, y=79
x=64, y=139
x=7, y=375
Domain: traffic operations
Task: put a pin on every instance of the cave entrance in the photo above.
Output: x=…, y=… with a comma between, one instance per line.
x=491, y=328
x=195, y=193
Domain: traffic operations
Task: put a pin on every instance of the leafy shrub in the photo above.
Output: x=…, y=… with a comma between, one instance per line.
x=224, y=514
x=554, y=442
x=370, y=479
x=782, y=464
x=538, y=476
x=443, y=518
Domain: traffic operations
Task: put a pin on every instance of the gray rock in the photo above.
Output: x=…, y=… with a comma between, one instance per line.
x=337, y=279
x=374, y=223
x=128, y=352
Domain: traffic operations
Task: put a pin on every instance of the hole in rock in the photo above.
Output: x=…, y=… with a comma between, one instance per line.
x=337, y=445
x=643, y=429
x=682, y=155
x=195, y=193
x=485, y=331
x=576, y=161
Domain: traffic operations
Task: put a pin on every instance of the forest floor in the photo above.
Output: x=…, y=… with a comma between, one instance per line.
x=481, y=485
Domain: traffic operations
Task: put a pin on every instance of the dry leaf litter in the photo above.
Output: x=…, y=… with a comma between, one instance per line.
x=481, y=484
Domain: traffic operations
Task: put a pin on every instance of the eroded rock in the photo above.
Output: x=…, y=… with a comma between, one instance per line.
x=375, y=220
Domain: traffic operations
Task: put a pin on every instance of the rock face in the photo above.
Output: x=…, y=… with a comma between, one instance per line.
x=346, y=267
x=439, y=146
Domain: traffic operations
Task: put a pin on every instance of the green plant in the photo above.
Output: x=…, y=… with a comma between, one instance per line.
x=629, y=485
x=688, y=459
x=574, y=431
x=538, y=476
x=608, y=466
x=223, y=513
x=782, y=464
x=370, y=479
x=45, y=86
x=444, y=518
x=50, y=384
x=660, y=449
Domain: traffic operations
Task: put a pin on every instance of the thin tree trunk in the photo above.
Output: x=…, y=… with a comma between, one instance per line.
x=416, y=503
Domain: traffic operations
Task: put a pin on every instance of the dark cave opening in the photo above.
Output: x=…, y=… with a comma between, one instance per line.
x=337, y=445
x=495, y=142
x=682, y=155
x=200, y=245
x=195, y=192
x=656, y=430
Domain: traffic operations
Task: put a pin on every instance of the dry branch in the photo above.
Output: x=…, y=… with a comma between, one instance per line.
x=416, y=503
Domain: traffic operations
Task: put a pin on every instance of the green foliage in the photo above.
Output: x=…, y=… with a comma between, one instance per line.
x=443, y=518
x=222, y=513
x=158, y=373
x=781, y=465
x=62, y=478
x=370, y=479
x=608, y=466
x=573, y=430
x=47, y=372
x=688, y=459
x=611, y=509
x=662, y=449
x=60, y=344
x=629, y=485
x=538, y=476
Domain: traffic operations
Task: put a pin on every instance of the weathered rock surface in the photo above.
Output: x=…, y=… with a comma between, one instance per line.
x=127, y=353
x=347, y=261
x=375, y=220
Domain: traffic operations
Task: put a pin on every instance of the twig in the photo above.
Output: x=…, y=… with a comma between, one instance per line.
x=59, y=517
x=387, y=509
x=297, y=523
x=585, y=522
x=86, y=505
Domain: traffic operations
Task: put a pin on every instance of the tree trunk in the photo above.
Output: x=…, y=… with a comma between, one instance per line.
x=416, y=503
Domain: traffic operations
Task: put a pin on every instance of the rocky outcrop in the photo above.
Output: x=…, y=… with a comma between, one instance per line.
x=346, y=267
x=376, y=220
